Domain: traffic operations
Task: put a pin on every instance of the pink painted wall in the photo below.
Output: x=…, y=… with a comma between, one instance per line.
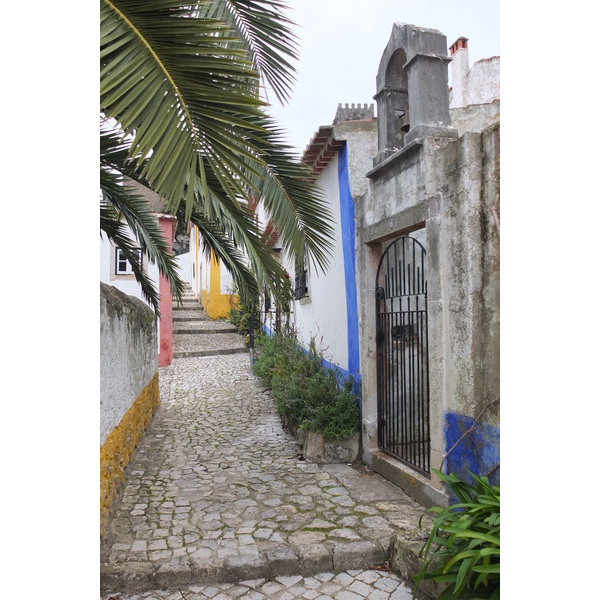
x=165, y=354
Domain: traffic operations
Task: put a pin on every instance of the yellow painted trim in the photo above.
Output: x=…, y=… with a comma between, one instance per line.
x=117, y=450
x=216, y=304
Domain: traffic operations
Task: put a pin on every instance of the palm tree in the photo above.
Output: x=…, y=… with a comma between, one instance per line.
x=184, y=84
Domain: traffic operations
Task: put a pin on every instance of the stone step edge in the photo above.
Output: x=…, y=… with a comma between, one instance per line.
x=191, y=319
x=203, y=331
x=281, y=560
x=216, y=352
x=188, y=306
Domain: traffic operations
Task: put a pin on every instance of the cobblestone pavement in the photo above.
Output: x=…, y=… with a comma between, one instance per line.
x=217, y=494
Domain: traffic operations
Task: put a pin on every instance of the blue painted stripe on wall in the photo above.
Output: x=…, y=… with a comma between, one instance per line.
x=478, y=452
x=347, y=225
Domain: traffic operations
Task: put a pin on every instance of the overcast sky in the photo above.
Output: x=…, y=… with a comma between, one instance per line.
x=342, y=42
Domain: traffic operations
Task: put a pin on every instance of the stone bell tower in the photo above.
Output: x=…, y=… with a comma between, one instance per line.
x=412, y=89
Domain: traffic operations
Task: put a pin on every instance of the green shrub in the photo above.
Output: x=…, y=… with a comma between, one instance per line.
x=463, y=548
x=240, y=318
x=304, y=391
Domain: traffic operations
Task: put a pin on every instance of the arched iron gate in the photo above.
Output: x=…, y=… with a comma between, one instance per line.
x=402, y=354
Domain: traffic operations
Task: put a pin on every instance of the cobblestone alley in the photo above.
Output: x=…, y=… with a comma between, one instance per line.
x=218, y=503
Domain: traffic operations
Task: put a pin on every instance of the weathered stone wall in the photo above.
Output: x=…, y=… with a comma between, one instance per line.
x=469, y=304
x=436, y=178
x=448, y=188
x=129, y=393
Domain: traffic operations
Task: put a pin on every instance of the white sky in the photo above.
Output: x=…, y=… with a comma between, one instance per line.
x=341, y=43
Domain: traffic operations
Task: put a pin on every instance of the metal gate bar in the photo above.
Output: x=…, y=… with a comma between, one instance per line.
x=402, y=354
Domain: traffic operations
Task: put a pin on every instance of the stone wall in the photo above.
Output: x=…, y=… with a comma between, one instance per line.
x=448, y=191
x=129, y=393
x=441, y=183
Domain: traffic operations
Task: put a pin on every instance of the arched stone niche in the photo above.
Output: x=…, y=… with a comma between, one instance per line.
x=412, y=89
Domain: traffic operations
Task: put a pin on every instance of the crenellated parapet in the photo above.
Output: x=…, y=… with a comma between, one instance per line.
x=353, y=112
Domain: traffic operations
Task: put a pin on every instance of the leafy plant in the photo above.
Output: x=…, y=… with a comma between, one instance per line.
x=240, y=318
x=463, y=548
x=304, y=390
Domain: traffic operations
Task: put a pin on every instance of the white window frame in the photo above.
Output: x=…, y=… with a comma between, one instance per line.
x=119, y=258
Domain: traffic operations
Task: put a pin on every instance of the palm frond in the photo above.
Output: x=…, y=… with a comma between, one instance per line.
x=182, y=82
x=171, y=79
x=216, y=241
x=266, y=34
x=121, y=202
x=294, y=202
x=118, y=233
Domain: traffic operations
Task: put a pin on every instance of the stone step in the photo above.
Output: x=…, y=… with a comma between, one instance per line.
x=354, y=584
x=204, y=330
x=282, y=560
x=208, y=352
x=188, y=306
x=190, y=319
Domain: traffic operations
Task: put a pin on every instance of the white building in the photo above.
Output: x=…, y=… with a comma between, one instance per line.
x=326, y=303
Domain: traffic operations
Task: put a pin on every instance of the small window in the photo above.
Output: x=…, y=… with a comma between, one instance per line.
x=301, y=281
x=122, y=266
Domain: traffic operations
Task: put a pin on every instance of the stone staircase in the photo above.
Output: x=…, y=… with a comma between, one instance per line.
x=194, y=334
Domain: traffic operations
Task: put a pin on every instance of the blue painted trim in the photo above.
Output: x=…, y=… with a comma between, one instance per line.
x=347, y=225
x=478, y=452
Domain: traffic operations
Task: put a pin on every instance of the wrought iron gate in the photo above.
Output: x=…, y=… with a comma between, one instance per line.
x=402, y=354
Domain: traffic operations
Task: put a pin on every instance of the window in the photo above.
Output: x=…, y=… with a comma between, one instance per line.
x=301, y=283
x=122, y=266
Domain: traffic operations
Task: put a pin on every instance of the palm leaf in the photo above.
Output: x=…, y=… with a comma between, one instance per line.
x=295, y=205
x=267, y=36
x=215, y=240
x=117, y=232
x=185, y=87
x=121, y=202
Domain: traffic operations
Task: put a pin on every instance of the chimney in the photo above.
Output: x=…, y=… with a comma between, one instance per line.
x=461, y=42
x=459, y=69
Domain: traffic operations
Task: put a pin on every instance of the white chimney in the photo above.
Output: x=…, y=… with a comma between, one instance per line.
x=459, y=51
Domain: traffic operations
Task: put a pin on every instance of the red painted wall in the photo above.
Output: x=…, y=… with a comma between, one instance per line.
x=165, y=354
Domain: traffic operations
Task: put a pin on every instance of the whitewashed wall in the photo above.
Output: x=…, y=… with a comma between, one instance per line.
x=184, y=266
x=227, y=286
x=483, y=81
x=194, y=272
x=128, y=355
x=324, y=315
x=478, y=84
